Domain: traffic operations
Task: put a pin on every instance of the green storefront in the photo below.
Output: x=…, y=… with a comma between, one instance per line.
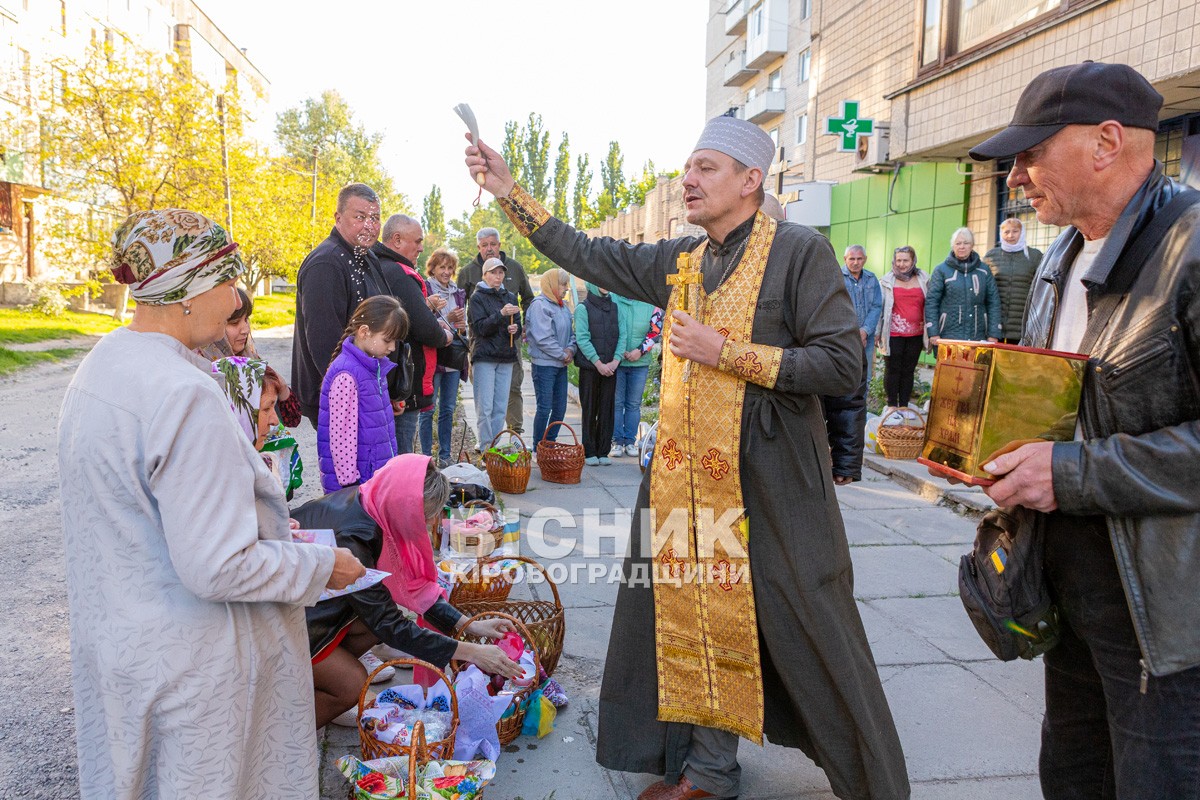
x=928, y=203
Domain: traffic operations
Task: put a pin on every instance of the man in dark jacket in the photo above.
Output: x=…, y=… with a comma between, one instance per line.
x=1120, y=512
x=334, y=278
x=515, y=281
x=401, y=245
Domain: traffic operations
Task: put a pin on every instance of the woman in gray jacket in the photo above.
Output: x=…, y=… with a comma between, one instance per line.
x=551, y=337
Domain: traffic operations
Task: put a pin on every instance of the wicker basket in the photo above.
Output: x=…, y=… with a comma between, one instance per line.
x=507, y=476
x=901, y=441
x=545, y=620
x=441, y=749
x=558, y=462
x=508, y=728
x=475, y=587
x=418, y=756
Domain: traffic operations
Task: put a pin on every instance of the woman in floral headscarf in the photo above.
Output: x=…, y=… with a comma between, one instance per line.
x=186, y=592
x=253, y=389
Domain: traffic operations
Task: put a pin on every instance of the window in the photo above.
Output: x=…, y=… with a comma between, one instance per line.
x=805, y=9
x=775, y=80
x=758, y=21
x=751, y=93
x=774, y=134
x=801, y=128
x=954, y=26
x=805, y=64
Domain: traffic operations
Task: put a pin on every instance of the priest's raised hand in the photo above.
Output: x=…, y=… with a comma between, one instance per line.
x=483, y=160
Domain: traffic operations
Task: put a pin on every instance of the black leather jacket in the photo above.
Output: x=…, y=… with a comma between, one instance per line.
x=358, y=532
x=1140, y=413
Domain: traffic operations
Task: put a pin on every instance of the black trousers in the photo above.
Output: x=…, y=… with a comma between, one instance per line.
x=900, y=366
x=597, y=396
x=1102, y=738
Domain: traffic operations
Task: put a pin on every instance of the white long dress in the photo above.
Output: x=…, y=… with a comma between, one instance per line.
x=188, y=643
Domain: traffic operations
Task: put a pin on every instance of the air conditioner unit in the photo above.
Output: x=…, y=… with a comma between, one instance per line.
x=871, y=155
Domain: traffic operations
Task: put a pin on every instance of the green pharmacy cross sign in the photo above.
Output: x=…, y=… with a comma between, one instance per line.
x=849, y=127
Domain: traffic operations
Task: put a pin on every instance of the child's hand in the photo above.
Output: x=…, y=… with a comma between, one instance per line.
x=293, y=524
x=397, y=408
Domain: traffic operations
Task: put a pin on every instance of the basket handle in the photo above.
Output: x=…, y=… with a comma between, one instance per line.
x=892, y=409
x=521, y=629
x=511, y=434
x=482, y=504
x=530, y=561
x=412, y=662
x=565, y=425
x=416, y=756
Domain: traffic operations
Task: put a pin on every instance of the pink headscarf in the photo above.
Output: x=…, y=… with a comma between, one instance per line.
x=394, y=497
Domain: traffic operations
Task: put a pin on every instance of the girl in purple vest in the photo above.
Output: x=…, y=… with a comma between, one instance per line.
x=356, y=429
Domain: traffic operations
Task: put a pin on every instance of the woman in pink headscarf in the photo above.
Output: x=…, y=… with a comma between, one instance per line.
x=385, y=522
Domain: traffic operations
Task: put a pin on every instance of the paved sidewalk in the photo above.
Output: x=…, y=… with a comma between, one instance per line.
x=968, y=723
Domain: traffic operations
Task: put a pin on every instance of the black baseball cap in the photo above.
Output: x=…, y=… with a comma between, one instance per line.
x=1081, y=94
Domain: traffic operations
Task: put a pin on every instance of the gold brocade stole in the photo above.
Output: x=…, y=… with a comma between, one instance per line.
x=705, y=628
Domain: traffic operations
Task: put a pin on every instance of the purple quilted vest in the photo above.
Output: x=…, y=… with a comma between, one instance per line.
x=376, y=423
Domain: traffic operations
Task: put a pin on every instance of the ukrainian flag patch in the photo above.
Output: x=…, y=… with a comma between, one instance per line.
x=999, y=559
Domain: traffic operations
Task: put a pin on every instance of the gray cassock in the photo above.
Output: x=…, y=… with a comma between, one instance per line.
x=821, y=686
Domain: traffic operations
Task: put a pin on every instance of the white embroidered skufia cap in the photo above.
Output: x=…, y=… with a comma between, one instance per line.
x=738, y=139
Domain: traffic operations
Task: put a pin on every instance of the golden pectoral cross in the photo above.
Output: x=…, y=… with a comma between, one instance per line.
x=688, y=278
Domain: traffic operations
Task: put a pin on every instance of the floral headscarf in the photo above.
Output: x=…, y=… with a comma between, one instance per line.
x=172, y=255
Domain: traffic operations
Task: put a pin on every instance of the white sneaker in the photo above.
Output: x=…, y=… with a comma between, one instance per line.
x=617, y=451
x=349, y=717
x=372, y=663
x=389, y=653
x=632, y=450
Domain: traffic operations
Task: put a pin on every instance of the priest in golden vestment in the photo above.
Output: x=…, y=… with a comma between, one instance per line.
x=736, y=617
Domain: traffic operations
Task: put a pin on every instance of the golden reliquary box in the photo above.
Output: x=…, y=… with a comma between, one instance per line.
x=986, y=396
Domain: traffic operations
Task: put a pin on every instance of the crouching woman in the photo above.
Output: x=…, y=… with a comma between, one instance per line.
x=385, y=522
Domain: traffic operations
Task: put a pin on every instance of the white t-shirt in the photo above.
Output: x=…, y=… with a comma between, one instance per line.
x=1072, y=320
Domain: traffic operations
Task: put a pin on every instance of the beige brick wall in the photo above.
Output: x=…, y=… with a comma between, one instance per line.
x=864, y=50
x=1156, y=37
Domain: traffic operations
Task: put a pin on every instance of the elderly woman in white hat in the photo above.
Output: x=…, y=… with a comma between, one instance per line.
x=188, y=643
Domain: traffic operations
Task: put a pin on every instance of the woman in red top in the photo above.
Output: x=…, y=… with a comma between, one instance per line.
x=901, y=336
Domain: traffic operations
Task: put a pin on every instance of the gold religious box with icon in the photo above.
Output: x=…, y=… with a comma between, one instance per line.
x=986, y=396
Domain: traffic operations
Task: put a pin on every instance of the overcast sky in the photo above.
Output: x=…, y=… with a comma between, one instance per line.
x=629, y=70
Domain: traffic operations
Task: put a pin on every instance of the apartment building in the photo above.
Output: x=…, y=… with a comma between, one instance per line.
x=32, y=32
x=908, y=86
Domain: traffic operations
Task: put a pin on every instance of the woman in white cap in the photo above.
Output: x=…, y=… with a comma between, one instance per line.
x=1013, y=264
x=188, y=644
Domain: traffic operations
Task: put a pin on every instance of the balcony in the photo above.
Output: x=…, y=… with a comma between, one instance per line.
x=736, y=71
x=735, y=18
x=767, y=39
x=763, y=107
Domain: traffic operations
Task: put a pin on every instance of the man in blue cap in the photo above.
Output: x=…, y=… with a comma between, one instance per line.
x=737, y=615
x=1120, y=515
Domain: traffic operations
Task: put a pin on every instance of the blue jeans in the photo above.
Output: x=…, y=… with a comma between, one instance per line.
x=631, y=382
x=445, y=397
x=550, y=389
x=490, y=380
x=406, y=431
x=869, y=357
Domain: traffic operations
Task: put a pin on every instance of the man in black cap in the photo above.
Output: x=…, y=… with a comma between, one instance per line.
x=1119, y=510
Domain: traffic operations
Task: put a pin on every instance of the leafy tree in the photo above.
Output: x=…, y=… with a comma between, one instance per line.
x=581, y=207
x=433, y=220
x=638, y=187
x=346, y=152
x=513, y=149
x=536, y=173
x=124, y=130
x=274, y=243
x=562, y=177
x=613, y=192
